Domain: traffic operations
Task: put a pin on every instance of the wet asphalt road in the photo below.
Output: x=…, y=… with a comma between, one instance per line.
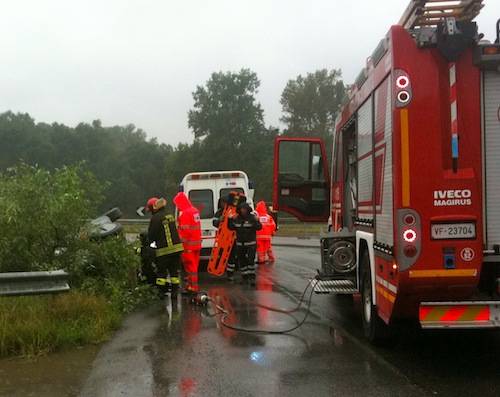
x=186, y=351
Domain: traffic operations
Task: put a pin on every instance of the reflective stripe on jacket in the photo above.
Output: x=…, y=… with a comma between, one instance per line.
x=163, y=231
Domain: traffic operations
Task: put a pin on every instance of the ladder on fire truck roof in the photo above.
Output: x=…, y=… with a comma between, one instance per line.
x=428, y=13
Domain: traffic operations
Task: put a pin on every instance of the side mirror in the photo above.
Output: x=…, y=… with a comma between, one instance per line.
x=141, y=211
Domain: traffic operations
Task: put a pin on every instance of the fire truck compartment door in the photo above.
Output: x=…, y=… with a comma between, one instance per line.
x=491, y=112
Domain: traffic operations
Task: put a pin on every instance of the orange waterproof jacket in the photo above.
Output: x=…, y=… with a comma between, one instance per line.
x=267, y=221
x=189, y=223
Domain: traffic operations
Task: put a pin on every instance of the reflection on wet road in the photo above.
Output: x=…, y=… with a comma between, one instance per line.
x=58, y=374
x=185, y=350
x=192, y=354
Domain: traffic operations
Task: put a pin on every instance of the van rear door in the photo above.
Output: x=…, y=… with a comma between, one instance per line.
x=204, y=200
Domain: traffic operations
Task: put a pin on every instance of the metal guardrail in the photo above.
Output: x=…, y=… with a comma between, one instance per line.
x=33, y=283
x=133, y=221
x=145, y=221
x=289, y=226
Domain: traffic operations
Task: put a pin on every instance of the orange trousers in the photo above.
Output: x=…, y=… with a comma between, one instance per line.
x=191, y=260
x=264, y=250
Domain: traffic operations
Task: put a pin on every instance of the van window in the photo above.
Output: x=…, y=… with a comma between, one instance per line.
x=203, y=200
x=225, y=192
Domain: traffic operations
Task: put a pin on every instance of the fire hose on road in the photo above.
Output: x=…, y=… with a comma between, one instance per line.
x=202, y=299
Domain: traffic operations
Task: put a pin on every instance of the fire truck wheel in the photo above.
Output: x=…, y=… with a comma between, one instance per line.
x=376, y=331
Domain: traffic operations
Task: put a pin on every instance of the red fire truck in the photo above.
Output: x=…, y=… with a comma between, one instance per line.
x=413, y=191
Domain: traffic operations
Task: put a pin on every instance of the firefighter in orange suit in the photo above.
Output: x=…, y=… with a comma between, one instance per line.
x=264, y=236
x=190, y=233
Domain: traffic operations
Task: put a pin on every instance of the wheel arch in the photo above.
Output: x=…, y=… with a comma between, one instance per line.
x=364, y=241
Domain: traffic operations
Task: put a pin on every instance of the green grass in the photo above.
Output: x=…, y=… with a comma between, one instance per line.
x=136, y=229
x=300, y=229
x=40, y=324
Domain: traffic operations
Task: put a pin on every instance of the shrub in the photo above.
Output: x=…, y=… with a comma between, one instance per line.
x=42, y=211
x=43, y=218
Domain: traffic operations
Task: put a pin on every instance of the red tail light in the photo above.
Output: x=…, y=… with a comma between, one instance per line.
x=410, y=238
x=402, y=82
x=410, y=235
x=409, y=220
x=402, y=90
x=493, y=50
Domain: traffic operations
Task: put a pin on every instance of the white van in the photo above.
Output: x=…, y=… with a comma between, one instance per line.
x=204, y=190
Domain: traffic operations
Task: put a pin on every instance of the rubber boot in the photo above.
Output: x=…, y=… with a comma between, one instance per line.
x=174, y=292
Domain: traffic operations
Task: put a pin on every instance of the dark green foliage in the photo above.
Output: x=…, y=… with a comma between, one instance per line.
x=132, y=166
x=229, y=129
x=310, y=104
x=43, y=226
x=227, y=122
x=41, y=212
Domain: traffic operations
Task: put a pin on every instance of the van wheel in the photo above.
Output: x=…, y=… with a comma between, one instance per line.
x=376, y=331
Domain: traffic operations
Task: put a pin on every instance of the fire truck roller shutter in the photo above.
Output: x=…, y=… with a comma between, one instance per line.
x=365, y=161
x=491, y=99
x=383, y=164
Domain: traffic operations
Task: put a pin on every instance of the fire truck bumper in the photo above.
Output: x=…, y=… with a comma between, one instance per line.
x=464, y=315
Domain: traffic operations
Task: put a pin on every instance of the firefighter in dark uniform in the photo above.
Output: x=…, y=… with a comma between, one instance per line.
x=163, y=232
x=245, y=224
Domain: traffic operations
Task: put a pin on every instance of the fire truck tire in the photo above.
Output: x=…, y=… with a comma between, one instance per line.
x=376, y=331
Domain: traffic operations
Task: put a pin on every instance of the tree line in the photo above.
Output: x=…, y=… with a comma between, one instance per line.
x=229, y=133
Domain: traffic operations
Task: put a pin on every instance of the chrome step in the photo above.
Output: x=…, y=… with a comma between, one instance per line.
x=334, y=287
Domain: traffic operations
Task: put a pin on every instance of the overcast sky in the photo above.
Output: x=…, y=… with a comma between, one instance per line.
x=131, y=61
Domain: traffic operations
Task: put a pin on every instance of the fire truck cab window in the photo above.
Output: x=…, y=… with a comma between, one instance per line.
x=301, y=162
x=317, y=164
x=204, y=201
x=294, y=161
x=302, y=183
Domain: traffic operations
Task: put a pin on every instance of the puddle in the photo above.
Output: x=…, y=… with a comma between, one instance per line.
x=57, y=374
